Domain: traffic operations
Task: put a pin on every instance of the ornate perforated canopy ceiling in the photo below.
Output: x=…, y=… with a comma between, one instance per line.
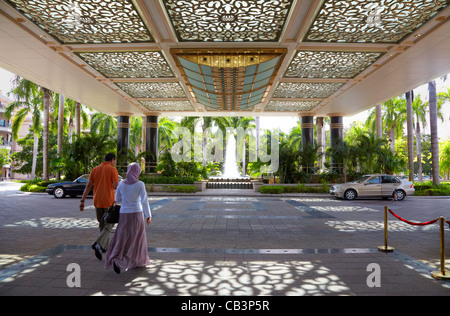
x=226, y=57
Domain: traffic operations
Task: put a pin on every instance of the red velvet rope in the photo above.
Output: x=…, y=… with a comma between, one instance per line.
x=412, y=223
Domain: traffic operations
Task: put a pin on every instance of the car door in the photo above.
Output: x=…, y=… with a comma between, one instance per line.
x=371, y=187
x=79, y=185
x=388, y=185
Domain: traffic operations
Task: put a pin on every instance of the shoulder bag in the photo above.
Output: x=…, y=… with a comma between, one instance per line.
x=111, y=216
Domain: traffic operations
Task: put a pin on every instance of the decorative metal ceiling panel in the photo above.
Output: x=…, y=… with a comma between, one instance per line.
x=167, y=105
x=333, y=64
x=137, y=64
x=291, y=106
x=228, y=20
x=152, y=89
x=86, y=21
x=305, y=90
x=362, y=21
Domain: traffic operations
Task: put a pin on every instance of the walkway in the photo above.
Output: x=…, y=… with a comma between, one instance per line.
x=210, y=245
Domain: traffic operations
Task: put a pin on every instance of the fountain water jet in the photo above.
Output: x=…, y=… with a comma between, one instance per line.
x=230, y=169
x=231, y=178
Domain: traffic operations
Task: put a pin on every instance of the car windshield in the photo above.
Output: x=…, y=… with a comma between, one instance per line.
x=362, y=179
x=83, y=178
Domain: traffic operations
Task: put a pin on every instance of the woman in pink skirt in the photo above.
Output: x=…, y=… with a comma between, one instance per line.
x=128, y=247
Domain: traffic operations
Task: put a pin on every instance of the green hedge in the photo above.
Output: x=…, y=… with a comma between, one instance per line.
x=168, y=180
x=301, y=188
x=35, y=185
x=428, y=189
x=180, y=188
x=32, y=188
x=271, y=189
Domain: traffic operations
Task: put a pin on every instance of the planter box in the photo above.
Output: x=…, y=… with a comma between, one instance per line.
x=257, y=185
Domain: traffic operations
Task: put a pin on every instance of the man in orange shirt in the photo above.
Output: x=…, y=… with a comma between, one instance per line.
x=105, y=179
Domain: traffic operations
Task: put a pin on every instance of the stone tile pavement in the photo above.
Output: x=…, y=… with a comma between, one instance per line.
x=216, y=244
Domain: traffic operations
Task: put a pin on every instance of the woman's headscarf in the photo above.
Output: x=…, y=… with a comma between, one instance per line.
x=133, y=172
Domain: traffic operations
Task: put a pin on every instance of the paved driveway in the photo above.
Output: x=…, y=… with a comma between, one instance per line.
x=225, y=245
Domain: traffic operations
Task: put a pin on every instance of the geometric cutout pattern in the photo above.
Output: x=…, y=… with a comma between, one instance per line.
x=86, y=21
x=306, y=89
x=291, y=106
x=167, y=105
x=362, y=21
x=135, y=64
x=332, y=64
x=228, y=20
x=152, y=89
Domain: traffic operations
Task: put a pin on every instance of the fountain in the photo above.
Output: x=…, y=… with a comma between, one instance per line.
x=231, y=178
x=230, y=169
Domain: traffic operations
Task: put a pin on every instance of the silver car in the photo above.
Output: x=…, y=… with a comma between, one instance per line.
x=374, y=185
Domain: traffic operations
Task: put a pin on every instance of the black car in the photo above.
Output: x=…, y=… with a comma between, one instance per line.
x=72, y=188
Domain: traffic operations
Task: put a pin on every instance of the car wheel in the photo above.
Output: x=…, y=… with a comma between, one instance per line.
x=401, y=195
x=350, y=194
x=59, y=193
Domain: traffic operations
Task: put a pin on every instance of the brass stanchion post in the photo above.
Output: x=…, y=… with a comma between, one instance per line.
x=385, y=248
x=442, y=274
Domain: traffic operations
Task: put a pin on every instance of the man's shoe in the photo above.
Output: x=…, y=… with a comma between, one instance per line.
x=116, y=268
x=98, y=251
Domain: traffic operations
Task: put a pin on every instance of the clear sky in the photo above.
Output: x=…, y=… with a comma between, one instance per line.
x=287, y=123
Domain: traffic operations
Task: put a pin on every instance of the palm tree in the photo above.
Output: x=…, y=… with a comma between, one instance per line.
x=165, y=132
x=368, y=146
x=295, y=136
x=28, y=101
x=70, y=117
x=410, y=134
x=420, y=111
x=47, y=96
x=433, y=106
x=353, y=135
x=103, y=124
x=136, y=134
x=444, y=165
x=394, y=118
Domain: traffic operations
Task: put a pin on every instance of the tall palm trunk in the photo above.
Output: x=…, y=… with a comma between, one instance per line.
x=419, y=151
x=35, y=153
x=392, y=139
x=409, y=124
x=78, y=118
x=378, y=121
x=45, y=134
x=60, y=130
x=204, y=141
x=434, y=131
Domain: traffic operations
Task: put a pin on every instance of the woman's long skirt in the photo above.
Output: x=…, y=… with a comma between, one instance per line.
x=128, y=247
